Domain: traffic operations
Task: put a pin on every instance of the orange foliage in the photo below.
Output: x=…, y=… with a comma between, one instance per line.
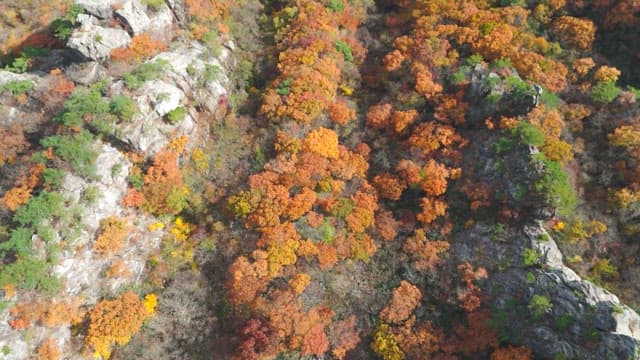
x=387, y=226
x=12, y=143
x=470, y=296
x=327, y=256
x=393, y=60
x=301, y=203
x=401, y=119
x=431, y=210
x=142, y=47
x=575, y=31
x=477, y=336
x=344, y=337
x=378, y=116
x=112, y=238
x=388, y=186
x=424, y=252
x=49, y=313
x=606, y=73
x=341, y=113
x=404, y=301
x=16, y=197
x=315, y=342
x=583, y=66
x=299, y=282
x=114, y=322
x=512, y=353
x=247, y=279
x=425, y=84
x=162, y=181
x=434, y=181
x=48, y=350
x=323, y=142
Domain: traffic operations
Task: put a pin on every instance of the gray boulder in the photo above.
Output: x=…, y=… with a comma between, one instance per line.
x=96, y=42
x=134, y=16
x=100, y=8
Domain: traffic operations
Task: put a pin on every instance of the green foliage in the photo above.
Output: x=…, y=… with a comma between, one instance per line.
x=154, y=4
x=335, y=5
x=91, y=194
x=555, y=184
x=527, y=134
x=79, y=105
x=518, y=88
x=6, y=350
x=530, y=278
x=211, y=72
x=474, y=60
x=523, y=134
x=52, y=177
x=19, y=243
x=344, y=208
x=76, y=150
x=635, y=92
x=177, y=115
x=19, y=65
x=345, y=49
x=603, y=269
x=603, y=92
x=29, y=274
x=17, y=87
x=498, y=229
x=136, y=180
x=145, y=72
x=326, y=231
x=549, y=99
x=62, y=27
x=461, y=74
x=46, y=205
x=501, y=63
x=212, y=42
x=564, y=322
x=240, y=204
x=540, y=305
x=123, y=107
x=284, y=87
x=530, y=257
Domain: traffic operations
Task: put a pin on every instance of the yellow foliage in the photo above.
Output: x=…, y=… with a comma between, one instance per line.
x=606, y=73
x=323, y=142
x=385, y=345
x=156, y=226
x=299, y=282
x=150, y=303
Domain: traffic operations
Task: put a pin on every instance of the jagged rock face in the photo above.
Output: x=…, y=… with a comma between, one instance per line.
x=95, y=42
x=134, y=16
x=100, y=8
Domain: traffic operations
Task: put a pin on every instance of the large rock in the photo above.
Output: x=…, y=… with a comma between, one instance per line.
x=161, y=26
x=100, y=8
x=134, y=16
x=96, y=42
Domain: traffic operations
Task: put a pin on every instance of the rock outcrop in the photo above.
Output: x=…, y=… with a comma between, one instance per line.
x=94, y=42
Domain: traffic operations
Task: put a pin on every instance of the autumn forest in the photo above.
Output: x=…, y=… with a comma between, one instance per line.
x=319, y=179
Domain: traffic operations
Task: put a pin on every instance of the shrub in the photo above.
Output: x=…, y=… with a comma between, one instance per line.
x=335, y=5
x=345, y=49
x=530, y=257
x=62, y=27
x=554, y=183
x=81, y=104
x=17, y=87
x=284, y=87
x=603, y=92
x=145, y=72
x=52, y=178
x=154, y=4
x=123, y=107
x=76, y=150
x=177, y=115
x=540, y=305
x=19, y=242
x=46, y=205
x=141, y=47
x=29, y=274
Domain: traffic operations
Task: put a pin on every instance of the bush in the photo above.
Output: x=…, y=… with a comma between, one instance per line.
x=345, y=49
x=540, y=305
x=284, y=87
x=154, y=4
x=80, y=104
x=177, y=115
x=62, y=27
x=46, y=205
x=76, y=150
x=19, y=243
x=335, y=5
x=554, y=183
x=17, y=87
x=603, y=92
x=123, y=107
x=146, y=72
x=530, y=257
x=52, y=178
x=29, y=274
